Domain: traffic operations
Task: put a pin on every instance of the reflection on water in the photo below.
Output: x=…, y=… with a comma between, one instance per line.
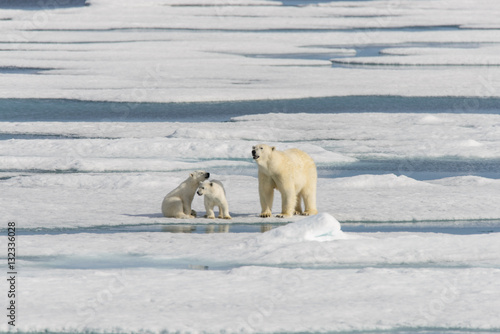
x=220, y=228
x=197, y=267
x=179, y=229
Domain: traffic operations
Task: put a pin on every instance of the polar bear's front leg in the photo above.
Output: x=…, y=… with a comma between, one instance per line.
x=298, y=207
x=186, y=207
x=288, y=202
x=224, y=211
x=209, y=207
x=266, y=193
x=210, y=214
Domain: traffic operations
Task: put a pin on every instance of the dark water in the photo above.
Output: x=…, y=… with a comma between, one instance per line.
x=41, y=4
x=464, y=227
x=416, y=168
x=32, y=110
x=166, y=228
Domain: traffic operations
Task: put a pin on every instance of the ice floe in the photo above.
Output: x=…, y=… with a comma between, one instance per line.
x=205, y=51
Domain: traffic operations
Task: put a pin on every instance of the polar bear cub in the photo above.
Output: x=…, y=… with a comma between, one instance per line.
x=293, y=173
x=177, y=203
x=215, y=195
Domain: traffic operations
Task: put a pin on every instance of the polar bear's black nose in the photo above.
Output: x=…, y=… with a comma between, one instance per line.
x=254, y=153
x=207, y=175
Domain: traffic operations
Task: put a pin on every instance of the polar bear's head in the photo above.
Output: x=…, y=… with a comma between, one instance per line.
x=204, y=187
x=212, y=188
x=199, y=175
x=262, y=152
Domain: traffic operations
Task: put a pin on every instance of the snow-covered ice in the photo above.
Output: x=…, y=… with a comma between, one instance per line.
x=408, y=234
x=185, y=51
x=68, y=192
x=285, y=280
x=428, y=167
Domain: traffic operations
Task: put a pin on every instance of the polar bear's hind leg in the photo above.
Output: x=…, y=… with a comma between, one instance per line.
x=221, y=212
x=173, y=208
x=209, y=208
x=298, y=206
x=309, y=196
x=288, y=202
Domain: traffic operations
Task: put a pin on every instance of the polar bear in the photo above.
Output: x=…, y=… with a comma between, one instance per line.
x=214, y=195
x=177, y=203
x=293, y=173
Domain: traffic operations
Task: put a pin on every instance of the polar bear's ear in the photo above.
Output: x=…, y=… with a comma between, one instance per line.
x=192, y=174
x=273, y=148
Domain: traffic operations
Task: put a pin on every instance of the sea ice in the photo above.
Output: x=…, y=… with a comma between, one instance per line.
x=215, y=50
x=128, y=167
x=319, y=227
x=65, y=184
x=368, y=281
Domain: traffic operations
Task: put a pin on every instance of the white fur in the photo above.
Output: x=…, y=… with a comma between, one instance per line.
x=177, y=203
x=293, y=173
x=214, y=195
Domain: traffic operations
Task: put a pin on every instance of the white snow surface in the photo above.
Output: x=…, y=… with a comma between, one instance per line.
x=123, y=170
x=285, y=280
x=94, y=253
x=227, y=50
x=65, y=192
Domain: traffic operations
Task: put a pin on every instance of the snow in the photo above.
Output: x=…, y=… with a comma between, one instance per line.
x=485, y=56
x=407, y=238
x=256, y=299
x=315, y=241
x=66, y=192
x=118, y=165
x=240, y=282
x=319, y=227
x=215, y=50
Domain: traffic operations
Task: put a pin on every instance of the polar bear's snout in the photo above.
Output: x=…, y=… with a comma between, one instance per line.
x=254, y=154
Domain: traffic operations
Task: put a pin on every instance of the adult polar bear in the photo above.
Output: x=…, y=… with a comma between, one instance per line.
x=293, y=173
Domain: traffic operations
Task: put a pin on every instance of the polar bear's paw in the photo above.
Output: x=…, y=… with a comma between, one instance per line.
x=184, y=216
x=310, y=213
x=283, y=215
x=225, y=217
x=209, y=217
x=266, y=214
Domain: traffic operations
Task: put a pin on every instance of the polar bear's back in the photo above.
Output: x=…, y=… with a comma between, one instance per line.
x=220, y=184
x=300, y=159
x=212, y=188
x=302, y=167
